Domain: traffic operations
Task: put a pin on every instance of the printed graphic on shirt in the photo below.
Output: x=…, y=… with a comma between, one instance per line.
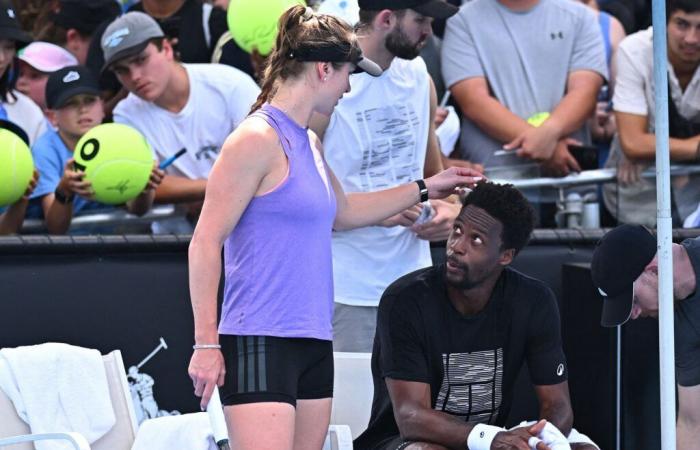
x=389, y=146
x=472, y=385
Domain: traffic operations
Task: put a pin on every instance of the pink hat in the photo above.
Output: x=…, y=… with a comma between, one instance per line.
x=46, y=57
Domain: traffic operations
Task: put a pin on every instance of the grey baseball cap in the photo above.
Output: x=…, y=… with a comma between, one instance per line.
x=128, y=35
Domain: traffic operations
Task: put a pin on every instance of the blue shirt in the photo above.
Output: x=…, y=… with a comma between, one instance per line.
x=50, y=157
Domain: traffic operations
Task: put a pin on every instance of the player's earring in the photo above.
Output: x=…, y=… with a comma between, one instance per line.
x=325, y=78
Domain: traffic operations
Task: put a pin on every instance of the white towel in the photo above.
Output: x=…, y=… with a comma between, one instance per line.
x=58, y=388
x=190, y=431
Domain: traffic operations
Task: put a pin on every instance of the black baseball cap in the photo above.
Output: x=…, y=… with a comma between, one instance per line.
x=619, y=259
x=9, y=26
x=85, y=15
x=328, y=52
x=437, y=9
x=69, y=82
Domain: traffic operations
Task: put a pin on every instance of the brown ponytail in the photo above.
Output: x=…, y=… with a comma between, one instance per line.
x=298, y=24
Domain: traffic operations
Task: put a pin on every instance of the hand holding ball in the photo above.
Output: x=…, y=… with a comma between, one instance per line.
x=16, y=167
x=116, y=160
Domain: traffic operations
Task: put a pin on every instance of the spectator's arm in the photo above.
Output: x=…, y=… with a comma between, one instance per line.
x=13, y=217
x=475, y=101
x=688, y=425
x=555, y=405
x=433, y=156
x=176, y=189
x=57, y=215
x=638, y=144
x=578, y=104
x=11, y=220
x=143, y=202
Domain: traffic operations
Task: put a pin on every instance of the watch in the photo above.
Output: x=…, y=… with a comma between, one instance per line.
x=423, y=190
x=61, y=197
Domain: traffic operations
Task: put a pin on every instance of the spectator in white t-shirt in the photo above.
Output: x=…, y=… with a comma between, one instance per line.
x=176, y=106
x=633, y=200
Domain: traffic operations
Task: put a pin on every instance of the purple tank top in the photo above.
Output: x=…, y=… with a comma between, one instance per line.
x=277, y=260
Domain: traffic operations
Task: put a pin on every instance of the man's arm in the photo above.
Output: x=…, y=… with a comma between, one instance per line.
x=555, y=405
x=637, y=143
x=418, y=422
x=475, y=101
x=688, y=425
x=433, y=159
x=175, y=189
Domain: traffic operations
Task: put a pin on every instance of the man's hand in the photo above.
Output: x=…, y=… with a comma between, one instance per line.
x=538, y=143
x=519, y=438
x=562, y=163
x=439, y=227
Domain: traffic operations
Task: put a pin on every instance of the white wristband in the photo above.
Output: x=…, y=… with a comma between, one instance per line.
x=481, y=436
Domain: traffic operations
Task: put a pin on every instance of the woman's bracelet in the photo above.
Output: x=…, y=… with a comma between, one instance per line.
x=206, y=346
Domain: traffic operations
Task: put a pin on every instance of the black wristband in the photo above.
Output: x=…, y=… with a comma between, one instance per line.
x=423, y=190
x=61, y=197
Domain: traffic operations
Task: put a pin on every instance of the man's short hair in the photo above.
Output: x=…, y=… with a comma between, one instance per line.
x=506, y=204
x=687, y=6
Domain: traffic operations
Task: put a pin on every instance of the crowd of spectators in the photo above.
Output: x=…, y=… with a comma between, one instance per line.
x=536, y=94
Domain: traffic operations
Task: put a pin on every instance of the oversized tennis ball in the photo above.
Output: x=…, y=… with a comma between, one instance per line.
x=538, y=119
x=253, y=23
x=16, y=167
x=116, y=159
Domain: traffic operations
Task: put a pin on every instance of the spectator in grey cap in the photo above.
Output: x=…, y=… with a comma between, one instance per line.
x=625, y=271
x=176, y=106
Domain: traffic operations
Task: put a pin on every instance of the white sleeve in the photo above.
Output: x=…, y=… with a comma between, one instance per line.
x=629, y=94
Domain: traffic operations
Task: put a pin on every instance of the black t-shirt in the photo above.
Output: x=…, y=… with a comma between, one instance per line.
x=687, y=325
x=470, y=362
x=187, y=25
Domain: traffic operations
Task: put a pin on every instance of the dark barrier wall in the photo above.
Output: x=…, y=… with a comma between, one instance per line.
x=125, y=292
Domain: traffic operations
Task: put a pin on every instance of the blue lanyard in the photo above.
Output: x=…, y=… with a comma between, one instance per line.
x=3, y=112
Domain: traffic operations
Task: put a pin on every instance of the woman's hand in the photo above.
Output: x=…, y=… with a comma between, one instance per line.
x=207, y=371
x=446, y=182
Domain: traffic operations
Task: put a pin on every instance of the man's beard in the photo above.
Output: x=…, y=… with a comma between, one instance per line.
x=464, y=282
x=399, y=45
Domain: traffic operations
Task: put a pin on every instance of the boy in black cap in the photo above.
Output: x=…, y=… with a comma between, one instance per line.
x=625, y=271
x=74, y=107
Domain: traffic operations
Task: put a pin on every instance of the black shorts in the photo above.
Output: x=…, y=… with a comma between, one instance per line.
x=273, y=369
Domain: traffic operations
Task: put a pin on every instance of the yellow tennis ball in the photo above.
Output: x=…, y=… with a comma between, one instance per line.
x=116, y=160
x=538, y=119
x=253, y=23
x=16, y=167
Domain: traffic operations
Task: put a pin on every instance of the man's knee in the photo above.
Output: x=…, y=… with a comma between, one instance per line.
x=424, y=446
